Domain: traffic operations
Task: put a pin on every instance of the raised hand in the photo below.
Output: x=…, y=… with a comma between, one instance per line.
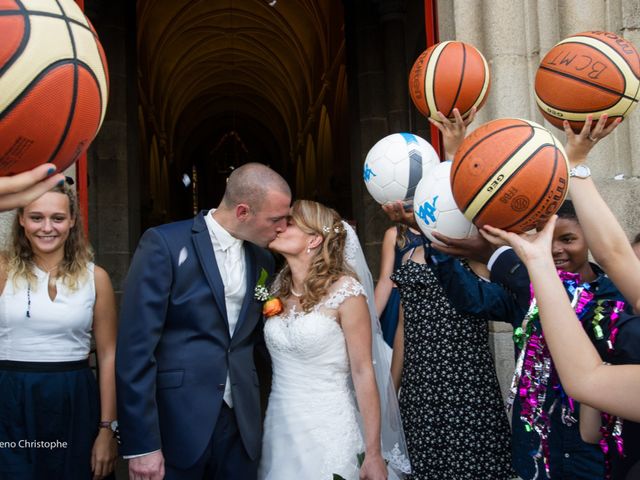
x=21, y=189
x=398, y=212
x=580, y=144
x=530, y=247
x=453, y=132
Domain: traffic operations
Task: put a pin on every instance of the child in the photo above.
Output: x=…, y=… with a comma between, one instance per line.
x=540, y=444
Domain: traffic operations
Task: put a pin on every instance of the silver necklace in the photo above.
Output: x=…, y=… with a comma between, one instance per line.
x=48, y=270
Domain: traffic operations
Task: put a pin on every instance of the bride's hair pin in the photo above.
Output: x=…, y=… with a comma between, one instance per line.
x=336, y=229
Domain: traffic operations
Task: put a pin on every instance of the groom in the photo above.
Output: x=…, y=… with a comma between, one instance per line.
x=188, y=398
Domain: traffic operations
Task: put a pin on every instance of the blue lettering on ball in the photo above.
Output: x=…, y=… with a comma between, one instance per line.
x=368, y=173
x=427, y=210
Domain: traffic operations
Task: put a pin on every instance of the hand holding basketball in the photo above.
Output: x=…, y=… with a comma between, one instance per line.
x=474, y=247
x=580, y=144
x=53, y=84
x=449, y=75
x=20, y=190
x=530, y=247
x=453, y=133
x=590, y=73
x=397, y=213
x=510, y=173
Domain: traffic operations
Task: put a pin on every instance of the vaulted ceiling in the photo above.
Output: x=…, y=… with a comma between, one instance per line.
x=251, y=72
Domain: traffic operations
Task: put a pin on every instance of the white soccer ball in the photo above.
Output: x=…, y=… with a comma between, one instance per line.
x=435, y=208
x=395, y=165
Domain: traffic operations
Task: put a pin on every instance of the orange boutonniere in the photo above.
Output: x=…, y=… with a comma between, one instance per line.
x=272, y=305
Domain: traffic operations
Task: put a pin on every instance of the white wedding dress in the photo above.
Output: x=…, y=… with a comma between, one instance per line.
x=311, y=428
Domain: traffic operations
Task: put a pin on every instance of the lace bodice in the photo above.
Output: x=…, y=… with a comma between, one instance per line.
x=311, y=387
x=312, y=341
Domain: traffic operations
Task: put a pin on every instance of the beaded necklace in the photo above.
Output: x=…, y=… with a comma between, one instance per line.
x=47, y=271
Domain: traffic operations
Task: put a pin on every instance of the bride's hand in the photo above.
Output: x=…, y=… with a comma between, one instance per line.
x=373, y=467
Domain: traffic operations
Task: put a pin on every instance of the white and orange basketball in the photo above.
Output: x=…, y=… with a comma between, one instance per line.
x=590, y=73
x=449, y=75
x=510, y=173
x=53, y=84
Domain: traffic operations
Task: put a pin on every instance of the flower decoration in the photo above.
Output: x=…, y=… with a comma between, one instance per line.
x=271, y=305
x=326, y=229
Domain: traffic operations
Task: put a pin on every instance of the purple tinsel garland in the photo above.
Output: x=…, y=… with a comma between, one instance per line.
x=535, y=373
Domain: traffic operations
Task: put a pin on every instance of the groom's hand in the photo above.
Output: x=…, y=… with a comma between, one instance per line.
x=147, y=467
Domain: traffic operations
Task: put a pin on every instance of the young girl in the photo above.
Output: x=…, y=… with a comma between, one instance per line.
x=546, y=438
x=52, y=299
x=450, y=400
x=580, y=366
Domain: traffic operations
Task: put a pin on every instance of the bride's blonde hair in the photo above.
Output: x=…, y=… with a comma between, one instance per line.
x=327, y=264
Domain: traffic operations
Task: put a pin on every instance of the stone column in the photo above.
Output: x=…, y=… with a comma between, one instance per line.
x=368, y=110
x=113, y=181
x=392, y=17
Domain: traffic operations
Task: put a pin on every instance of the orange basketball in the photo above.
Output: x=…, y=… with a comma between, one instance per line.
x=510, y=173
x=449, y=75
x=53, y=84
x=588, y=73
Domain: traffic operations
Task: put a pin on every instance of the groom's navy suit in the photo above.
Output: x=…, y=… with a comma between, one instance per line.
x=174, y=347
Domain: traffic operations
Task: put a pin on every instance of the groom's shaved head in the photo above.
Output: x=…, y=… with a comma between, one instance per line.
x=250, y=184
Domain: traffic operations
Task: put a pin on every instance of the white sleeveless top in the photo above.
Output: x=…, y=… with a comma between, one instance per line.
x=56, y=330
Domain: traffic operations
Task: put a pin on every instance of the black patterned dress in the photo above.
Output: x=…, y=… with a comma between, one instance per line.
x=452, y=410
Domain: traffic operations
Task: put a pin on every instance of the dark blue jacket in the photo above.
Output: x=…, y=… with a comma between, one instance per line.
x=506, y=299
x=627, y=351
x=174, y=349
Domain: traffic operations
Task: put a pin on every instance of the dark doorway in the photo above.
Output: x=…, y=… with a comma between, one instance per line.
x=226, y=82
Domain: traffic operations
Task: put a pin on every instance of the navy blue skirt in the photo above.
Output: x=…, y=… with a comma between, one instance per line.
x=49, y=416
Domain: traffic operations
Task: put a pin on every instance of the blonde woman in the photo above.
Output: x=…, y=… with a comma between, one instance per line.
x=56, y=421
x=321, y=349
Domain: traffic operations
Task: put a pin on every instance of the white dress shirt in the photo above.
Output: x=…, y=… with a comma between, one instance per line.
x=232, y=266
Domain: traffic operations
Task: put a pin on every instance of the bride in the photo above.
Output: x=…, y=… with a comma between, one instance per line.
x=321, y=349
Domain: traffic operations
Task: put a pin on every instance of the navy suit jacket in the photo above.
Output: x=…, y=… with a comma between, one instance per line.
x=174, y=349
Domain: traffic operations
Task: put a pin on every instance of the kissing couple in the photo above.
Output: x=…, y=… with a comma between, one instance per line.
x=191, y=321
